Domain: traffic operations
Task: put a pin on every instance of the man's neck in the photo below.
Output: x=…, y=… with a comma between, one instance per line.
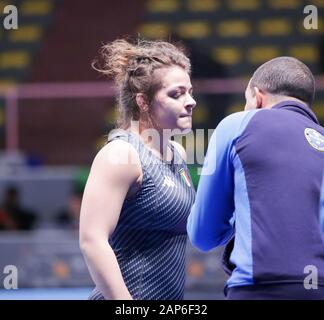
x=275, y=99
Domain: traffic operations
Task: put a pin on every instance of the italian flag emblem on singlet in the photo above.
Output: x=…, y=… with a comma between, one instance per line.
x=185, y=177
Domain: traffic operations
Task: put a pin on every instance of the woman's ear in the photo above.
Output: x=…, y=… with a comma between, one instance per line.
x=142, y=102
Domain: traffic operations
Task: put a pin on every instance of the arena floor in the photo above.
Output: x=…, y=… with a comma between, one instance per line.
x=78, y=294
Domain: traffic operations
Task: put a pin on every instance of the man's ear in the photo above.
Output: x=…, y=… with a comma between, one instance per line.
x=142, y=103
x=259, y=97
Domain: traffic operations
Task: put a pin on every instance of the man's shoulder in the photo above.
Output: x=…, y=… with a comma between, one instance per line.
x=238, y=117
x=235, y=123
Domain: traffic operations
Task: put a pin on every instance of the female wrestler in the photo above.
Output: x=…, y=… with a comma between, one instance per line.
x=139, y=193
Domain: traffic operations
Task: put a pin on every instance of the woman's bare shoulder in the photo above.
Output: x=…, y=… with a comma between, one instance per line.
x=118, y=156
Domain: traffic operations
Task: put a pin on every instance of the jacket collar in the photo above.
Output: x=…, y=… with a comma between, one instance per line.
x=298, y=107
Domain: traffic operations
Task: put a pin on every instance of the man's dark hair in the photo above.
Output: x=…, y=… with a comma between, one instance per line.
x=285, y=76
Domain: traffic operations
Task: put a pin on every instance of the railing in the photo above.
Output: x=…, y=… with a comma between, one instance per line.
x=86, y=90
x=96, y=90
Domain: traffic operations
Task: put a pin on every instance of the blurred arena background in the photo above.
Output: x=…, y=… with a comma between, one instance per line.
x=55, y=111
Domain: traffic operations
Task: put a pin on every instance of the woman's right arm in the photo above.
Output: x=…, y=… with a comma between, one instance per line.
x=110, y=179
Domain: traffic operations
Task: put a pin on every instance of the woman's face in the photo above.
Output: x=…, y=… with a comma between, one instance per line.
x=172, y=104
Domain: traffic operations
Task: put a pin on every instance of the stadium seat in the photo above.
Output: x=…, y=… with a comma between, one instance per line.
x=2, y=116
x=238, y=5
x=154, y=6
x=203, y=5
x=7, y=83
x=235, y=107
x=233, y=28
x=201, y=114
x=227, y=55
x=36, y=7
x=260, y=54
x=154, y=30
x=317, y=3
x=14, y=59
x=275, y=27
x=26, y=33
x=287, y=4
x=318, y=109
x=20, y=44
x=319, y=31
x=308, y=53
x=4, y=3
x=194, y=29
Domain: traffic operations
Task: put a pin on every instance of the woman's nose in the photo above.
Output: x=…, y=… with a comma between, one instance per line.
x=191, y=102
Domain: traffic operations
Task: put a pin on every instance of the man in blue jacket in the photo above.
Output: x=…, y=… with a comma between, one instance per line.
x=322, y=211
x=262, y=199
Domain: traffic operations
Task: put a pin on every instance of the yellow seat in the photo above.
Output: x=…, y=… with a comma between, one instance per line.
x=26, y=33
x=162, y=6
x=36, y=7
x=319, y=30
x=14, y=59
x=235, y=107
x=111, y=115
x=203, y=5
x=275, y=27
x=245, y=78
x=227, y=55
x=201, y=114
x=2, y=116
x=6, y=83
x=317, y=3
x=318, y=108
x=238, y=5
x=194, y=29
x=260, y=54
x=4, y=3
x=155, y=30
x=305, y=52
x=99, y=143
x=233, y=28
x=286, y=4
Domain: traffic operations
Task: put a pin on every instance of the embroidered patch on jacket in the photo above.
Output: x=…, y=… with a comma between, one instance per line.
x=315, y=139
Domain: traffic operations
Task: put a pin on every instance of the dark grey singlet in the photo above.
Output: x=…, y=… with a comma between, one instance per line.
x=150, y=238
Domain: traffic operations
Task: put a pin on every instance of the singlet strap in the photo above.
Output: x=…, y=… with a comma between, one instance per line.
x=118, y=134
x=177, y=158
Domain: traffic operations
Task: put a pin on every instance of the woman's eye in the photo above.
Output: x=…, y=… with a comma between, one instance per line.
x=176, y=95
